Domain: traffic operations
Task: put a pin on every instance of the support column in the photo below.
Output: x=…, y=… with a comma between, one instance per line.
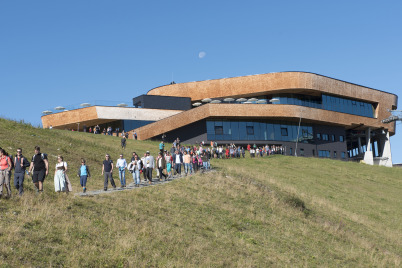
x=368, y=155
x=386, y=158
x=359, y=148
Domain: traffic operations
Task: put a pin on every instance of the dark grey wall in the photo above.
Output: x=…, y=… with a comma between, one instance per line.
x=190, y=134
x=162, y=102
x=196, y=132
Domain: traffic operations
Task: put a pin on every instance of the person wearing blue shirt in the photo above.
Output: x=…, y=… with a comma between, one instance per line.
x=161, y=147
x=83, y=173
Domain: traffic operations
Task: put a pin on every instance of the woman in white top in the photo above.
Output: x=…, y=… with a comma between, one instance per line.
x=60, y=176
x=134, y=167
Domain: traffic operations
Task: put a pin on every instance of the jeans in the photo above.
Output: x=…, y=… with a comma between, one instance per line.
x=187, y=168
x=177, y=167
x=149, y=174
x=122, y=176
x=205, y=165
x=19, y=182
x=83, y=180
x=136, y=176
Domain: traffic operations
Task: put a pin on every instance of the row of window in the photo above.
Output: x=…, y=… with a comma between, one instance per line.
x=273, y=131
x=246, y=130
x=327, y=102
x=326, y=137
x=321, y=153
x=327, y=154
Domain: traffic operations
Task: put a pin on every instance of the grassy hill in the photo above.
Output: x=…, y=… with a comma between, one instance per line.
x=276, y=211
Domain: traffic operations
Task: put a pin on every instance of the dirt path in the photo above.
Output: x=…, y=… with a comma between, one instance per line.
x=131, y=186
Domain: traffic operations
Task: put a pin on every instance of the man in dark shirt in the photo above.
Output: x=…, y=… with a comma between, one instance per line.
x=123, y=143
x=39, y=168
x=20, y=163
x=107, y=171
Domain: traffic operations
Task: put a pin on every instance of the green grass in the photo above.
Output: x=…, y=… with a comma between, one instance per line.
x=277, y=211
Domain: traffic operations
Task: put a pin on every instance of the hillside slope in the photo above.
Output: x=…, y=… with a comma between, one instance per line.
x=275, y=211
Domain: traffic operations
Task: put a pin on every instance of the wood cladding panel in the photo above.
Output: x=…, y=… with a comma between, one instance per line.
x=63, y=119
x=286, y=82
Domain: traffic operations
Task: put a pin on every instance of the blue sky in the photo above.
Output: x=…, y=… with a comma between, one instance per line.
x=67, y=52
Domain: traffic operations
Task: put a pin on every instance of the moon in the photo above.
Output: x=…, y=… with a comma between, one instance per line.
x=202, y=54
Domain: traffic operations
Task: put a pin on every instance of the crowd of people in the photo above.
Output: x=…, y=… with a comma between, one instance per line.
x=177, y=160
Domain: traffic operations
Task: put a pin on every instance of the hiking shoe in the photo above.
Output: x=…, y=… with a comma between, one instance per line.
x=85, y=189
x=104, y=189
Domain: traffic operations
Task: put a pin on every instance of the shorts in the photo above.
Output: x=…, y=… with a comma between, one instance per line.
x=38, y=176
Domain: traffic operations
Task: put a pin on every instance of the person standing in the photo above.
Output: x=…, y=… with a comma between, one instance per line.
x=84, y=174
x=21, y=163
x=161, y=147
x=168, y=160
x=5, y=169
x=204, y=158
x=187, y=163
x=60, y=175
x=123, y=143
x=135, y=167
x=161, y=164
x=121, y=164
x=135, y=135
x=149, y=165
x=178, y=160
x=39, y=169
x=107, y=171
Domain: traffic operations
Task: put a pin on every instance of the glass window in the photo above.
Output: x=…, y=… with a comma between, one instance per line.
x=242, y=131
x=341, y=138
x=323, y=153
x=263, y=131
x=278, y=135
x=324, y=137
x=284, y=131
x=290, y=151
x=257, y=131
x=270, y=132
x=304, y=133
x=334, y=154
x=318, y=136
x=234, y=126
x=301, y=152
x=293, y=133
x=250, y=130
x=332, y=137
x=218, y=130
x=343, y=155
x=226, y=128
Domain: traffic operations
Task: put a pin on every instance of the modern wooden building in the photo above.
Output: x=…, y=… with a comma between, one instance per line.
x=306, y=113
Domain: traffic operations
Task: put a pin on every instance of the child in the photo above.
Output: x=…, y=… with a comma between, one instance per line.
x=83, y=173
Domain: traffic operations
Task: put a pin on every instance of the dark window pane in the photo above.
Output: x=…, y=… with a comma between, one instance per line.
x=270, y=132
x=284, y=131
x=250, y=130
x=218, y=130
